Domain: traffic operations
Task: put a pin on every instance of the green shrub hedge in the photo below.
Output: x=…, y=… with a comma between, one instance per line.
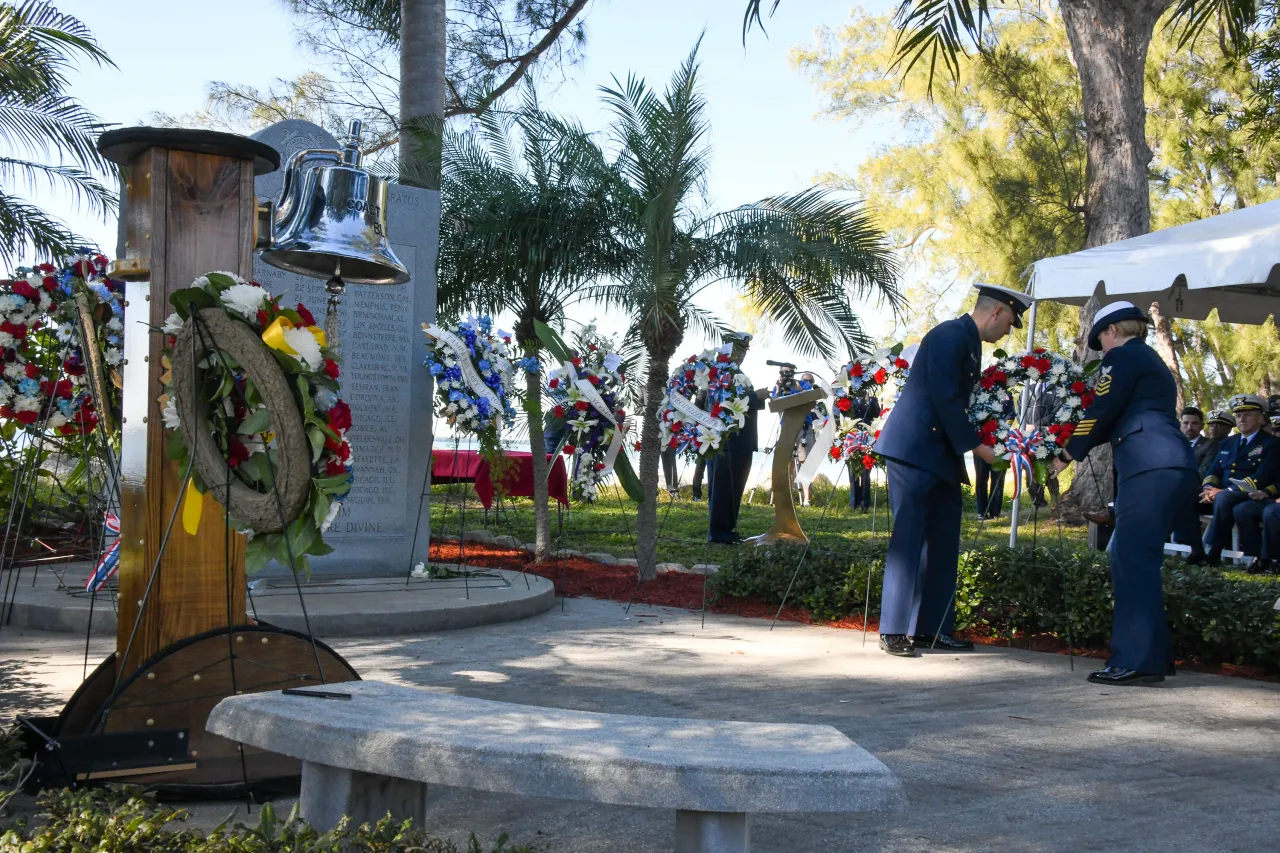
x=1014, y=592
x=126, y=820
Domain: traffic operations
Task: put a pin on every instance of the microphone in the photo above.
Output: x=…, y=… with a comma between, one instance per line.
x=786, y=364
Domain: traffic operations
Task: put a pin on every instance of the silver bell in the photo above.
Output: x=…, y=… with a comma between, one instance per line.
x=330, y=220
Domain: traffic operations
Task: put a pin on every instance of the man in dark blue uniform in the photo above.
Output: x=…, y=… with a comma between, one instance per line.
x=1133, y=408
x=923, y=442
x=728, y=470
x=1245, y=473
x=865, y=409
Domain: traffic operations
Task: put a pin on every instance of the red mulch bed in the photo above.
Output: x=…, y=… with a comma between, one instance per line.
x=577, y=577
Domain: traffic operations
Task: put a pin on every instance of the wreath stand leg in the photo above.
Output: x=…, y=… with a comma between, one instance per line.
x=875, y=511
x=808, y=546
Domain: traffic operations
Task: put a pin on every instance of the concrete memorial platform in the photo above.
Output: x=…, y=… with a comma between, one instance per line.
x=382, y=349
x=381, y=748
x=353, y=606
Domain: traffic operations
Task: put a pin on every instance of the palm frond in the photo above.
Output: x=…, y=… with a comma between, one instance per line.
x=24, y=226
x=84, y=186
x=803, y=258
x=752, y=16
x=1237, y=17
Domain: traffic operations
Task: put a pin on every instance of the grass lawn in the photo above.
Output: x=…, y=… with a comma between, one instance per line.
x=608, y=525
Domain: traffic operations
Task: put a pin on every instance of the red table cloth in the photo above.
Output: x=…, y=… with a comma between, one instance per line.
x=468, y=466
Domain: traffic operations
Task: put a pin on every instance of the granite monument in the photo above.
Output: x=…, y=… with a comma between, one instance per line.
x=382, y=349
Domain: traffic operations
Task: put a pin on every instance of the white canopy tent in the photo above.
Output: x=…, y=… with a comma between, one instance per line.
x=1230, y=262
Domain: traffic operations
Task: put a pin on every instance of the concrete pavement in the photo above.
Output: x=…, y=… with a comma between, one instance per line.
x=999, y=749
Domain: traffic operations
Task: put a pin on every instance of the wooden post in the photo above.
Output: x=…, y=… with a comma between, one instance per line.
x=188, y=208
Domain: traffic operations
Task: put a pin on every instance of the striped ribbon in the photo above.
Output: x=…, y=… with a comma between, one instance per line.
x=110, y=562
x=1021, y=446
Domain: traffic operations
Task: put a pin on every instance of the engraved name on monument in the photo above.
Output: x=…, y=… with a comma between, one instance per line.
x=382, y=349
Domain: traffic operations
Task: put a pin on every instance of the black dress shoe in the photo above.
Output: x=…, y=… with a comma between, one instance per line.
x=897, y=644
x=1120, y=675
x=1197, y=560
x=1260, y=566
x=945, y=642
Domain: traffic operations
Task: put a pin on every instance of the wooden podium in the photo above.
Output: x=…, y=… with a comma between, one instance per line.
x=794, y=408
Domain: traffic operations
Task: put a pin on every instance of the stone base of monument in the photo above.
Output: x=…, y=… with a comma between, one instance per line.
x=335, y=606
x=380, y=750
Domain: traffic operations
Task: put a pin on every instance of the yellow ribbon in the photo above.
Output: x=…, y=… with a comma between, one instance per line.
x=192, y=507
x=274, y=335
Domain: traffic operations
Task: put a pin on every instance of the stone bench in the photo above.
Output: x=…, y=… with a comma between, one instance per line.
x=380, y=750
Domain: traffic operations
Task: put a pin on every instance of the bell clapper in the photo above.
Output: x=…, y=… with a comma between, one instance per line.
x=335, y=286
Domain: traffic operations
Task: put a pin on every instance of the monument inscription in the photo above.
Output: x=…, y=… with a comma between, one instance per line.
x=382, y=349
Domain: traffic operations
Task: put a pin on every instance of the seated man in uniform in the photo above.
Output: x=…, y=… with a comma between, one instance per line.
x=1246, y=470
x=1216, y=428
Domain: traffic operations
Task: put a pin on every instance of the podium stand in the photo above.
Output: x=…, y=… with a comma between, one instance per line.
x=786, y=527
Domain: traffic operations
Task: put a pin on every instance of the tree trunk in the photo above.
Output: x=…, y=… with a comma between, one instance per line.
x=1164, y=346
x=422, y=50
x=650, y=455
x=1109, y=42
x=537, y=446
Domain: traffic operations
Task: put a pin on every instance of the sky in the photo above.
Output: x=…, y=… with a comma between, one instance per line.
x=767, y=137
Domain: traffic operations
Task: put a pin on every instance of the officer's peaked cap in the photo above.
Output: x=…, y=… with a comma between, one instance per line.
x=1015, y=299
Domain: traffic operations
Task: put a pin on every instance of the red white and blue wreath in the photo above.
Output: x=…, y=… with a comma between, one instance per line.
x=85, y=276
x=28, y=382
x=726, y=394
x=993, y=410
x=471, y=366
x=586, y=392
x=883, y=375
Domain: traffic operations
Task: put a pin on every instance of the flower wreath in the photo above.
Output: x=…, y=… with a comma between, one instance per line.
x=586, y=392
x=472, y=370
x=239, y=417
x=884, y=374
x=728, y=400
x=993, y=410
x=28, y=379
x=85, y=276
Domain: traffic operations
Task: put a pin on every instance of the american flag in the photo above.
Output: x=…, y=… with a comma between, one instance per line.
x=110, y=562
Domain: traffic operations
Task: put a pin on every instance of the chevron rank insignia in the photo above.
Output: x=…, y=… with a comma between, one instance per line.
x=1104, y=381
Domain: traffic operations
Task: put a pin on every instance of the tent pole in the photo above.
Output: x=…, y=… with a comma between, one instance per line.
x=1022, y=422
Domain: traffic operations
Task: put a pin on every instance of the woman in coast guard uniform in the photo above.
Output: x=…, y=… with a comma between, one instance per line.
x=1156, y=479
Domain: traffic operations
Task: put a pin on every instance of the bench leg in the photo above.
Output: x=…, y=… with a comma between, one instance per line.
x=712, y=832
x=328, y=793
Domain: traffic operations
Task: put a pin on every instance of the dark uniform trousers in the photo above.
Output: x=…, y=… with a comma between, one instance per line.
x=988, y=489
x=1157, y=478
x=1259, y=526
x=727, y=474
x=1139, y=628
x=919, y=582
x=923, y=443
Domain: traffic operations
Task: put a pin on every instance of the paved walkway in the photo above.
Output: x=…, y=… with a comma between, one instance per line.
x=1000, y=750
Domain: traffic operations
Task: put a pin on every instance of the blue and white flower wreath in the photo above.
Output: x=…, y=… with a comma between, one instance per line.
x=471, y=366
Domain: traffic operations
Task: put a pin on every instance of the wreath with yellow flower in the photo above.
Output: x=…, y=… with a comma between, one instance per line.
x=251, y=393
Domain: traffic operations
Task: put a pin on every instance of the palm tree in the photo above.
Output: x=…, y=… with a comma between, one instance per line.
x=799, y=257
x=525, y=225
x=38, y=119
x=1109, y=43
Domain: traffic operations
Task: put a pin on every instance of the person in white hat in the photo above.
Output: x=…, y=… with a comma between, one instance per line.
x=1134, y=401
